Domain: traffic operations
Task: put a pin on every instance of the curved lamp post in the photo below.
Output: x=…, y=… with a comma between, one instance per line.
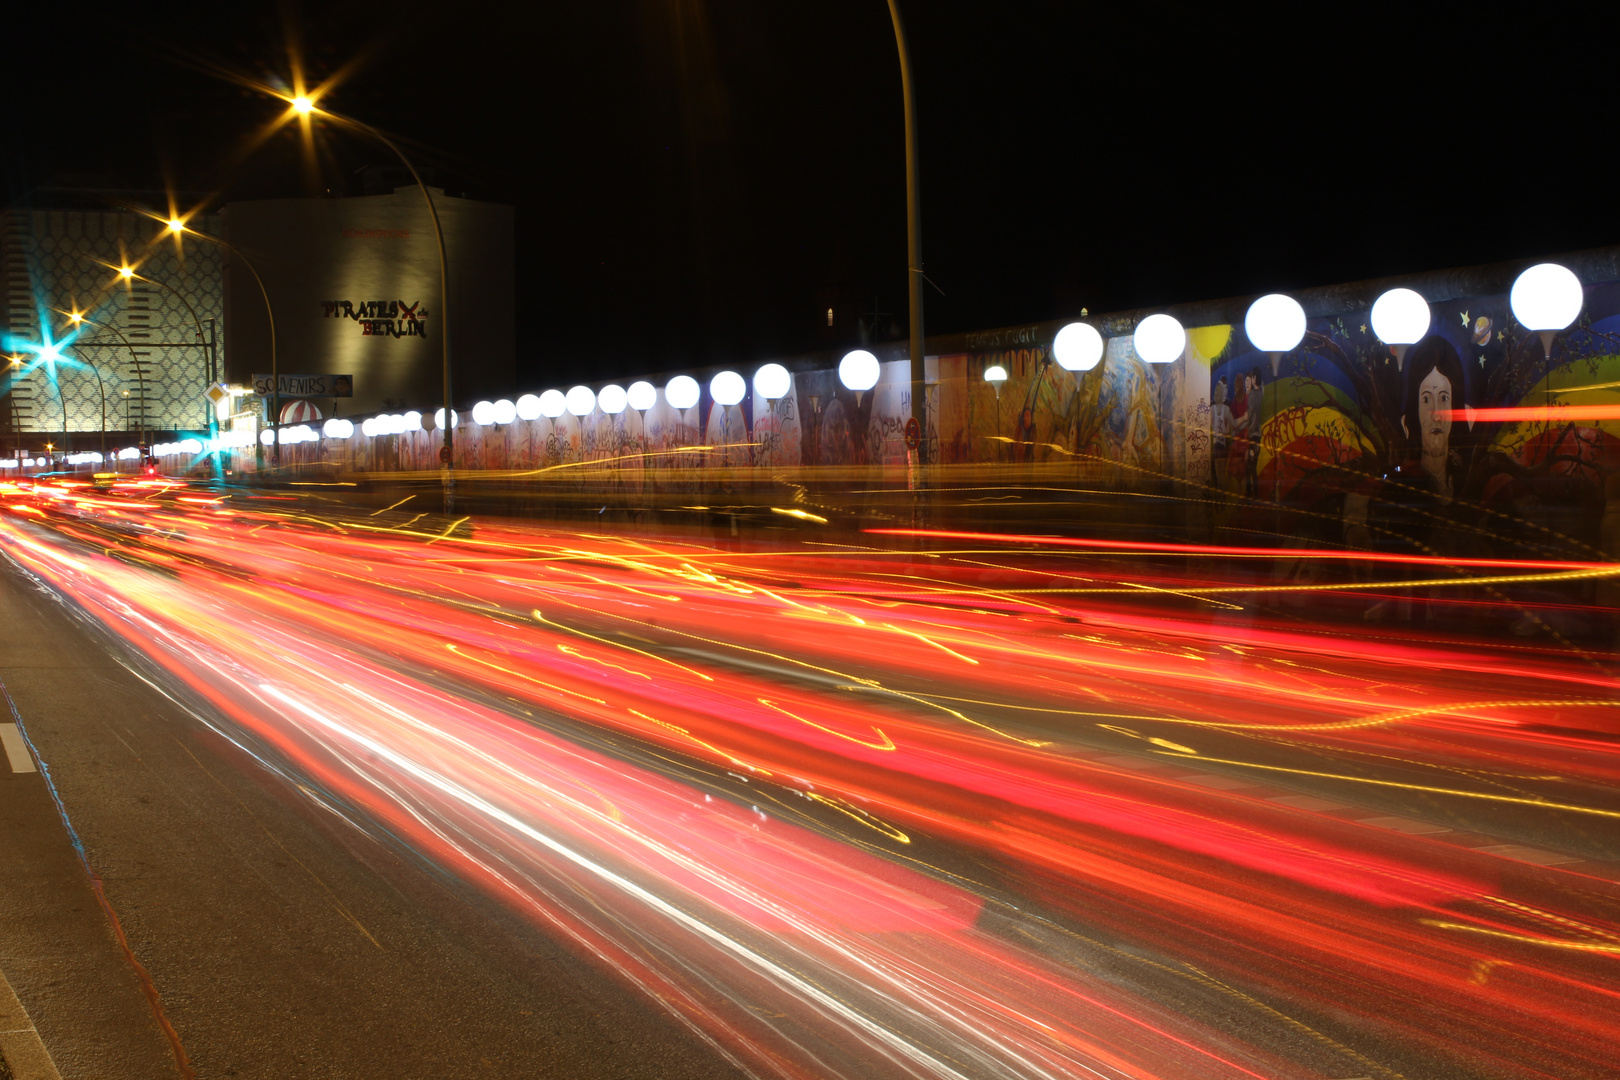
x=78, y=319
x=1400, y=318
x=180, y=228
x=305, y=106
x=914, y=274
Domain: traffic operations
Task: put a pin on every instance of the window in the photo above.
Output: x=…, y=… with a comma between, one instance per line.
x=829, y=316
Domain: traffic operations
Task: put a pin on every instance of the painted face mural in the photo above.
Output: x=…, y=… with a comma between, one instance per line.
x=1434, y=418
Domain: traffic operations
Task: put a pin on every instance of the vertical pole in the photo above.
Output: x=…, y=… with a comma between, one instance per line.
x=919, y=377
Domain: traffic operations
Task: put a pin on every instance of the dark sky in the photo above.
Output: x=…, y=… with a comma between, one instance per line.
x=688, y=173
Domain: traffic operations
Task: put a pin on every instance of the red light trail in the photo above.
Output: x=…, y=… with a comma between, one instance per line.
x=850, y=811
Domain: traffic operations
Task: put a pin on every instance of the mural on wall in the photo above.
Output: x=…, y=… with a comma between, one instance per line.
x=1368, y=447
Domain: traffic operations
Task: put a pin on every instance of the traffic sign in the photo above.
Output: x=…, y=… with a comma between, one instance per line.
x=913, y=433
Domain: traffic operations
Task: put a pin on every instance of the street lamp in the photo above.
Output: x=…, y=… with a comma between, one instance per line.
x=1400, y=318
x=1077, y=347
x=178, y=227
x=1275, y=325
x=305, y=106
x=1159, y=339
x=859, y=371
x=682, y=393
x=1546, y=299
x=995, y=375
x=78, y=319
x=919, y=378
x=772, y=382
x=581, y=401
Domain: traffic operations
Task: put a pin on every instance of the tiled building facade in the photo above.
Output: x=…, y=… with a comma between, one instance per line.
x=155, y=345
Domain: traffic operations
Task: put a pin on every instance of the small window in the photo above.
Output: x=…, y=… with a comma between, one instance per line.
x=829, y=317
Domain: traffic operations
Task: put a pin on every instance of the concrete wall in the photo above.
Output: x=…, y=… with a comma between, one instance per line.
x=354, y=286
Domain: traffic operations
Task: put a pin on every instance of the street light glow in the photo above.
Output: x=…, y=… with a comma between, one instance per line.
x=176, y=225
x=859, y=370
x=642, y=395
x=302, y=105
x=1159, y=339
x=1546, y=297
x=1077, y=347
x=727, y=388
x=1275, y=324
x=126, y=272
x=1400, y=317
x=682, y=392
x=581, y=401
x=772, y=381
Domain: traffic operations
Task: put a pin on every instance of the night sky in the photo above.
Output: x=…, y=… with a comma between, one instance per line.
x=688, y=173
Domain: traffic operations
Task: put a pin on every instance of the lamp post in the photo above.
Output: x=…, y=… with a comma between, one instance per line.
x=995, y=375
x=1546, y=299
x=77, y=319
x=180, y=228
x=1400, y=318
x=1275, y=325
x=305, y=106
x=914, y=274
x=140, y=374
x=1077, y=348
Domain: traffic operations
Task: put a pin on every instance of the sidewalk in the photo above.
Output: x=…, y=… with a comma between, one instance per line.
x=71, y=1006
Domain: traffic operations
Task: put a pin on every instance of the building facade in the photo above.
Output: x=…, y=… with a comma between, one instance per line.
x=353, y=285
x=148, y=343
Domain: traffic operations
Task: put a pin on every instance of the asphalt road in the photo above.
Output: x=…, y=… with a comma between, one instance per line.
x=370, y=802
x=282, y=941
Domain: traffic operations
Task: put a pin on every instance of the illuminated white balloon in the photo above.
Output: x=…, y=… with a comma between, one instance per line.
x=1159, y=339
x=413, y=421
x=996, y=374
x=859, y=370
x=727, y=388
x=1546, y=297
x=612, y=398
x=581, y=401
x=682, y=392
x=1275, y=324
x=772, y=381
x=1077, y=347
x=642, y=395
x=553, y=404
x=483, y=413
x=337, y=428
x=505, y=411
x=438, y=418
x=1400, y=317
x=528, y=407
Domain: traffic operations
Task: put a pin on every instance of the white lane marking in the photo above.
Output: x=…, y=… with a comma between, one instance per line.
x=16, y=749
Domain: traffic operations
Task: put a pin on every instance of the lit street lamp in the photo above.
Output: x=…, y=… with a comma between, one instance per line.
x=1400, y=318
x=995, y=375
x=1159, y=339
x=1078, y=347
x=305, y=107
x=1275, y=325
x=1545, y=299
x=178, y=227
